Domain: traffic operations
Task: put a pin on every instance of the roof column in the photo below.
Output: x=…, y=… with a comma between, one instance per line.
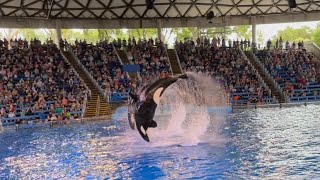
x=254, y=29
x=159, y=29
x=58, y=31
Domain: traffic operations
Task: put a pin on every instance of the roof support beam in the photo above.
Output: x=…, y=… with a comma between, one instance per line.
x=151, y=23
x=50, y=9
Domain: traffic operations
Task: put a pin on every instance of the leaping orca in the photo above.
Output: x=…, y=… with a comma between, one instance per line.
x=143, y=104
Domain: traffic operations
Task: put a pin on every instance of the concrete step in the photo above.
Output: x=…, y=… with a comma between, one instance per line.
x=92, y=106
x=173, y=59
x=268, y=81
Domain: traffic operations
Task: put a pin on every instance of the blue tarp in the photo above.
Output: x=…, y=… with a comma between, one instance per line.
x=131, y=68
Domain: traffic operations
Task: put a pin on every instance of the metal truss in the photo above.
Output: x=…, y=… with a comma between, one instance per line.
x=136, y=9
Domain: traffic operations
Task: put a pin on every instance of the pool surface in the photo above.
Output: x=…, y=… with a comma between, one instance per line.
x=250, y=144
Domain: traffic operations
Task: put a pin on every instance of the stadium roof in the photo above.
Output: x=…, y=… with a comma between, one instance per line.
x=179, y=12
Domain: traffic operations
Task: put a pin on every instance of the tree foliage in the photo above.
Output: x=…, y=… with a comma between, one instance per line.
x=216, y=32
x=295, y=34
x=316, y=35
x=94, y=35
x=243, y=32
x=185, y=33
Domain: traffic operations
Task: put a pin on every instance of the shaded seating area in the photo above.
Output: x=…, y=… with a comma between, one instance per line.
x=104, y=66
x=36, y=82
x=228, y=66
x=295, y=70
x=151, y=56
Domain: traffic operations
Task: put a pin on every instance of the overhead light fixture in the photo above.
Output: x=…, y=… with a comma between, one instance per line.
x=149, y=4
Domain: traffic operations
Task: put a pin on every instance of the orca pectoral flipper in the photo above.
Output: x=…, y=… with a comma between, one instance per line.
x=153, y=124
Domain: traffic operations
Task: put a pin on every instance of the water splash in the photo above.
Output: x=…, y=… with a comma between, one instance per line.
x=185, y=115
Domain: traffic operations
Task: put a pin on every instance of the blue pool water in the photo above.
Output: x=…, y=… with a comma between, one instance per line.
x=250, y=144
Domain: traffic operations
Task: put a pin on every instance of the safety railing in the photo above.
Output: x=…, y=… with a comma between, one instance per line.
x=305, y=98
x=258, y=75
x=280, y=105
x=117, y=54
x=266, y=73
x=68, y=48
x=165, y=48
x=178, y=59
x=1, y=127
x=37, y=116
x=118, y=97
x=84, y=106
x=98, y=106
x=86, y=72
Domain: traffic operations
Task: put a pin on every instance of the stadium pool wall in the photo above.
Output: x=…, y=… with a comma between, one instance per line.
x=268, y=143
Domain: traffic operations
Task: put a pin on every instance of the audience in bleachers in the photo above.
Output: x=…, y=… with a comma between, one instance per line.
x=228, y=65
x=103, y=64
x=35, y=78
x=151, y=56
x=294, y=69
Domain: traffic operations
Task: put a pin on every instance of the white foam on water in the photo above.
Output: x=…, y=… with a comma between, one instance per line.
x=182, y=115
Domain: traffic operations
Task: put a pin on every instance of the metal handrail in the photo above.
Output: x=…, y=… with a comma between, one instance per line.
x=87, y=73
x=98, y=106
x=165, y=48
x=267, y=73
x=259, y=77
x=84, y=106
x=87, y=88
x=1, y=127
x=115, y=50
x=178, y=59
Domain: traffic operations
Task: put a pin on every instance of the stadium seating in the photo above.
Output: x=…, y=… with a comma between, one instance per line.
x=295, y=70
x=152, y=58
x=103, y=64
x=228, y=66
x=35, y=80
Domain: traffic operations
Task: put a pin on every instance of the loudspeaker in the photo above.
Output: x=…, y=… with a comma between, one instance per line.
x=210, y=15
x=149, y=4
x=292, y=3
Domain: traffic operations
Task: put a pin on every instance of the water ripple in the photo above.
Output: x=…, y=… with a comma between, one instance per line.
x=256, y=144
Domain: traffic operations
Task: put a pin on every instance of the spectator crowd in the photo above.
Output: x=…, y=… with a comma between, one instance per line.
x=292, y=67
x=36, y=79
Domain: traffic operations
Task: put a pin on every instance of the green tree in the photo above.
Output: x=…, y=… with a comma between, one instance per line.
x=316, y=35
x=28, y=34
x=183, y=33
x=143, y=33
x=243, y=31
x=291, y=34
x=216, y=32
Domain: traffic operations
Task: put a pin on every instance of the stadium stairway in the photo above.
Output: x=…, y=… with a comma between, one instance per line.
x=313, y=48
x=174, y=62
x=124, y=58
x=96, y=106
x=279, y=96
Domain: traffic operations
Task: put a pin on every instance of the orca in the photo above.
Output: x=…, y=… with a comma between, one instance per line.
x=143, y=104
